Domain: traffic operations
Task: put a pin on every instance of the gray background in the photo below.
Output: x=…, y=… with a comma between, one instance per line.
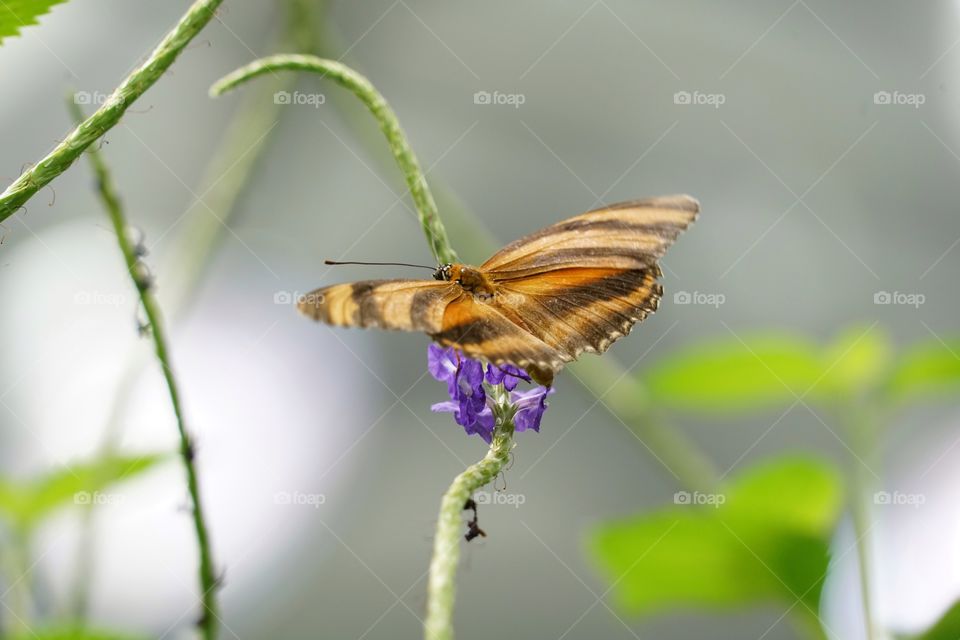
x=814, y=198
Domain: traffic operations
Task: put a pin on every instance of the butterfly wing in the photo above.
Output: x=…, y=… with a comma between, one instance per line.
x=442, y=310
x=581, y=309
x=480, y=329
x=408, y=305
x=629, y=235
x=581, y=284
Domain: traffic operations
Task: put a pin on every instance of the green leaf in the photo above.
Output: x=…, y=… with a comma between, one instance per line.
x=760, y=371
x=16, y=14
x=77, y=633
x=946, y=628
x=856, y=361
x=928, y=368
x=26, y=503
x=764, y=538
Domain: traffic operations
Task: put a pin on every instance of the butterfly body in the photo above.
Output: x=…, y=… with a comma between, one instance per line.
x=538, y=303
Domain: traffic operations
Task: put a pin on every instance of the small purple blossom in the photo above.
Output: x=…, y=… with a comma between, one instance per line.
x=507, y=374
x=471, y=405
x=531, y=406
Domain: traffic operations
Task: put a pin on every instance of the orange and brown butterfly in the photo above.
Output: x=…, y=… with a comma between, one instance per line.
x=539, y=302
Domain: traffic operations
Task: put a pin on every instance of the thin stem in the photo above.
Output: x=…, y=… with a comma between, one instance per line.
x=224, y=179
x=860, y=426
x=109, y=114
x=441, y=588
x=386, y=118
x=208, y=582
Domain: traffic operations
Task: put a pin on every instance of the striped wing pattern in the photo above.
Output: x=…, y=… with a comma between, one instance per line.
x=575, y=286
x=408, y=305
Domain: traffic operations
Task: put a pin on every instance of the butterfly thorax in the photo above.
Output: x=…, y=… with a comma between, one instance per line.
x=471, y=279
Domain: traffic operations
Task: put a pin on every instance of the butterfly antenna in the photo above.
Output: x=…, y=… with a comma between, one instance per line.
x=382, y=264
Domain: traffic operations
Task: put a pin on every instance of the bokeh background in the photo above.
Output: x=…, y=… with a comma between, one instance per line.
x=816, y=195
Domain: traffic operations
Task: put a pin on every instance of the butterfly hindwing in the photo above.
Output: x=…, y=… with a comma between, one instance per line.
x=479, y=329
x=583, y=308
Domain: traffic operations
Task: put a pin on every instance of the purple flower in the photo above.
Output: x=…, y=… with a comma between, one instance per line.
x=507, y=374
x=470, y=402
x=482, y=423
x=531, y=406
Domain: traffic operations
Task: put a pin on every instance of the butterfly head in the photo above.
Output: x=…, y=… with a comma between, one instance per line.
x=443, y=272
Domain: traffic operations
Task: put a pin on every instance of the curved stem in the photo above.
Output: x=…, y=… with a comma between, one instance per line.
x=386, y=118
x=141, y=280
x=109, y=114
x=441, y=588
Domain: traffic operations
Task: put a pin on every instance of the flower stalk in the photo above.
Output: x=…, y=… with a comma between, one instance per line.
x=109, y=114
x=386, y=118
x=441, y=587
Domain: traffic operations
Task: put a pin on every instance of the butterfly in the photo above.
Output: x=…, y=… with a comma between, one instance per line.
x=538, y=303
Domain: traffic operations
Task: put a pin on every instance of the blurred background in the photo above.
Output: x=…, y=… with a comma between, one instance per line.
x=821, y=139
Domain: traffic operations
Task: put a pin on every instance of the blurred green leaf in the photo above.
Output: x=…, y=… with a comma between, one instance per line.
x=946, y=628
x=77, y=633
x=927, y=368
x=27, y=502
x=764, y=538
x=728, y=374
x=857, y=360
x=16, y=14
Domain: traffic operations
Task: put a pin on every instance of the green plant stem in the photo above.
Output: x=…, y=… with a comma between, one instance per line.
x=385, y=117
x=441, y=588
x=224, y=179
x=861, y=425
x=208, y=582
x=109, y=114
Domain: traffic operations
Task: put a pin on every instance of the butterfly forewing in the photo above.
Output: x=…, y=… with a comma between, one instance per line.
x=629, y=235
x=409, y=305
